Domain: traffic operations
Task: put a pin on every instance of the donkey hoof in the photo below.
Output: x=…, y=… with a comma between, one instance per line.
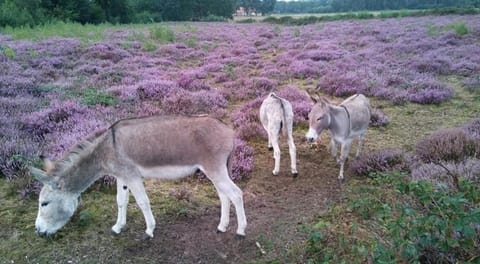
x=275, y=173
x=147, y=237
x=295, y=174
x=341, y=180
x=113, y=233
x=220, y=231
x=240, y=237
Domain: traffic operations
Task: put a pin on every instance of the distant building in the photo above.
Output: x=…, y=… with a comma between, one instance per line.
x=241, y=11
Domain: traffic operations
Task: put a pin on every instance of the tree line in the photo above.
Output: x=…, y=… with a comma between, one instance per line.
x=33, y=12
x=325, y=6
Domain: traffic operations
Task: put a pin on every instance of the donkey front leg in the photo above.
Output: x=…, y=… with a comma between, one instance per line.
x=343, y=157
x=138, y=191
x=122, y=201
x=333, y=149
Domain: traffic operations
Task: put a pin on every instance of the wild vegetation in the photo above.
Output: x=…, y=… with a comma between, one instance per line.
x=415, y=196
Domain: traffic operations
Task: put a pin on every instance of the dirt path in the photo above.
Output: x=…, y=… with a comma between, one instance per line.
x=275, y=207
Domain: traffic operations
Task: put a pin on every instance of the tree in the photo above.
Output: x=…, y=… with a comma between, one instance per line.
x=267, y=6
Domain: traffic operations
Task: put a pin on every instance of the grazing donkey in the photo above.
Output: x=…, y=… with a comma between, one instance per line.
x=346, y=121
x=152, y=147
x=276, y=114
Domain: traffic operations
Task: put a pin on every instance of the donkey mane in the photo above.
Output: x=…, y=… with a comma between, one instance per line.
x=80, y=151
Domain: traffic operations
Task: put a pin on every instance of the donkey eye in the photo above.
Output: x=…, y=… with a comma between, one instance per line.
x=320, y=118
x=44, y=204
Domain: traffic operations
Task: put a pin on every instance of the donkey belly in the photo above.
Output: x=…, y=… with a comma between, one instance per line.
x=168, y=172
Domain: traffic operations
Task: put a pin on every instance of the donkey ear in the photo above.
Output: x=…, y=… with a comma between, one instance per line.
x=48, y=165
x=315, y=98
x=42, y=177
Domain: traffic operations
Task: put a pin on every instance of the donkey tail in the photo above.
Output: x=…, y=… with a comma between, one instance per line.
x=284, y=113
x=229, y=164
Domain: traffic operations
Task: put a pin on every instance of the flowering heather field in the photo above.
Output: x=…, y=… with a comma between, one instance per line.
x=56, y=91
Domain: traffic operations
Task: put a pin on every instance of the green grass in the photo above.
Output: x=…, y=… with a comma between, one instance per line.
x=86, y=238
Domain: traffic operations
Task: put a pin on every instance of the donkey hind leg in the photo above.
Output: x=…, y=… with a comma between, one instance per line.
x=228, y=191
x=138, y=191
x=122, y=201
x=273, y=134
x=343, y=157
x=293, y=153
x=360, y=143
x=224, y=213
x=264, y=121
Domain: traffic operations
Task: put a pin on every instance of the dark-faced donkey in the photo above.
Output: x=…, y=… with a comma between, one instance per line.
x=152, y=147
x=276, y=115
x=345, y=122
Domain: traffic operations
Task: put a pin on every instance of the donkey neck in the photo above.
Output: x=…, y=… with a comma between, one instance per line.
x=340, y=121
x=84, y=169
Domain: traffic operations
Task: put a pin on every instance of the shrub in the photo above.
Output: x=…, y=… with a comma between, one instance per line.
x=59, y=116
x=429, y=92
x=378, y=118
x=264, y=85
x=472, y=129
x=156, y=89
x=447, y=145
x=300, y=101
x=439, y=176
x=303, y=69
x=472, y=84
x=242, y=161
x=246, y=121
x=191, y=103
x=387, y=160
x=162, y=33
x=416, y=223
x=213, y=18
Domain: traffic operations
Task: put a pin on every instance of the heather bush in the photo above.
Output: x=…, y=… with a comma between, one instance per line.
x=105, y=51
x=472, y=84
x=429, y=92
x=302, y=69
x=472, y=129
x=345, y=84
x=447, y=145
x=378, y=118
x=193, y=80
x=59, y=116
x=301, y=103
x=156, y=89
x=242, y=160
x=440, y=175
x=246, y=121
x=264, y=85
x=197, y=102
x=387, y=160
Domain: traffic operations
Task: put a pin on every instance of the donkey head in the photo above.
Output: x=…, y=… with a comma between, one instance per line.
x=56, y=206
x=318, y=118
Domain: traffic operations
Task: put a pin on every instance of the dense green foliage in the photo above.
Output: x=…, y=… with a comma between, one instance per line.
x=392, y=219
x=459, y=28
x=17, y=13
x=322, y=6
